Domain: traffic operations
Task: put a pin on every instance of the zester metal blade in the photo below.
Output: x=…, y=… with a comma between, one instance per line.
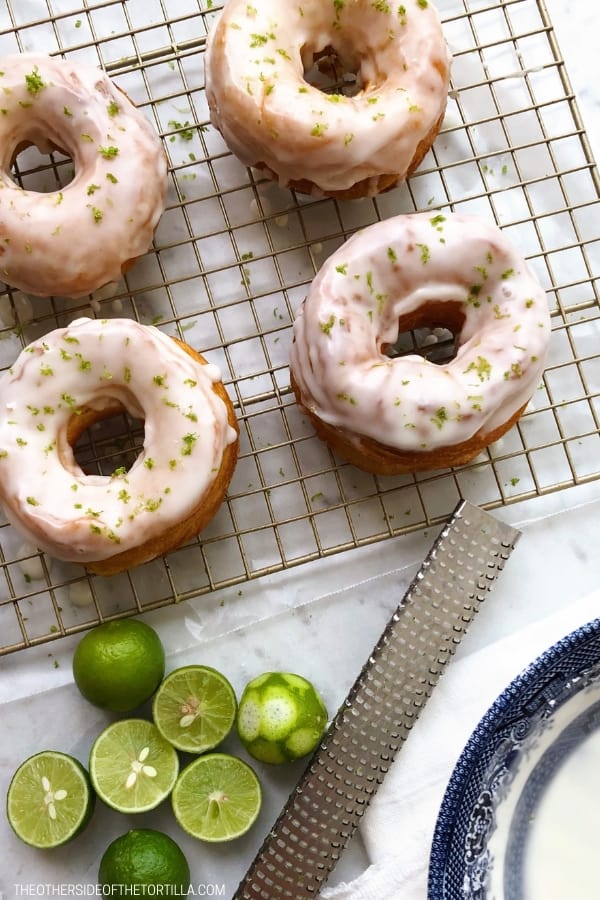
x=384, y=703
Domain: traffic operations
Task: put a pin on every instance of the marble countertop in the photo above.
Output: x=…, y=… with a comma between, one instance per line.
x=555, y=562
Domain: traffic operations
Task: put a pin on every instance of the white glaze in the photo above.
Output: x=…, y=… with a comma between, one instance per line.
x=389, y=270
x=90, y=363
x=255, y=62
x=73, y=241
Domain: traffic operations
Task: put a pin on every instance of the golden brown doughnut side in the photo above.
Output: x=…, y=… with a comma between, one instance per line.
x=371, y=456
x=178, y=533
x=369, y=187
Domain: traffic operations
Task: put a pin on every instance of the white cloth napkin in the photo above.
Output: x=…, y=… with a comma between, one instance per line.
x=397, y=829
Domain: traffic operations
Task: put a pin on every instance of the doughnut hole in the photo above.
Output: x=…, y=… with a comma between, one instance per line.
x=327, y=72
x=351, y=60
x=433, y=331
x=42, y=172
x=103, y=442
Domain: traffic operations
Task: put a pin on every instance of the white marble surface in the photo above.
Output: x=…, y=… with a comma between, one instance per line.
x=576, y=27
x=326, y=625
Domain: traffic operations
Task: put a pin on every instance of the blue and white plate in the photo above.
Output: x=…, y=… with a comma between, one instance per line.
x=520, y=819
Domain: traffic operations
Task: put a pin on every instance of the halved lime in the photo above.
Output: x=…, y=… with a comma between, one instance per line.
x=281, y=717
x=132, y=767
x=49, y=799
x=194, y=708
x=217, y=797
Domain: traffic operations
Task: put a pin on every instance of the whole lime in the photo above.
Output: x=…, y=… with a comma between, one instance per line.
x=119, y=665
x=281, y=717
x=144, y=858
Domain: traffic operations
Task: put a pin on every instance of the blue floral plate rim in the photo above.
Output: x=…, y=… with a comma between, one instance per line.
x=549, y=679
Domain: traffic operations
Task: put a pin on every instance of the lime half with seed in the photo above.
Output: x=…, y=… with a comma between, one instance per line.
x=49, y=800
x=281, y=717
x=217, y=797
x=194, y=708
x=132, y=767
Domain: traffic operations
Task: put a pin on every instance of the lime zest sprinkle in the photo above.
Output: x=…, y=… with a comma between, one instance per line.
x=482, y=367
x=189, y=440
x=34, y=82
x=327, y=326
x=425, y=253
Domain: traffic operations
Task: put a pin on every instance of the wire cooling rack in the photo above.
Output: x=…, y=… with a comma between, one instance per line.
x=232, y=258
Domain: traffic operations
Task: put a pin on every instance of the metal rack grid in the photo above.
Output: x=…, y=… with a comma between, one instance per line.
x=232, y=258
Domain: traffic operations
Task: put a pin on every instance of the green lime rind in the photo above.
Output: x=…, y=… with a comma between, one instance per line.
x=144, y=857
x=132, y=767
x=217, y=797
x=194, y=708
x=281, y=717
x=49, y=800
x=119, y=665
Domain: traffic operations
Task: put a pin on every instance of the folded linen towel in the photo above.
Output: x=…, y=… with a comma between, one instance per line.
x=397, y=830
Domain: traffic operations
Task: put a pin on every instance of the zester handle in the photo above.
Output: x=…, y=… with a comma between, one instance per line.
x=385, y=701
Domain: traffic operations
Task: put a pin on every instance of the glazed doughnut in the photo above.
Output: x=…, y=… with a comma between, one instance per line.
x=316, y=142
x=394, y=415
x=72, y=377
x=72, y=241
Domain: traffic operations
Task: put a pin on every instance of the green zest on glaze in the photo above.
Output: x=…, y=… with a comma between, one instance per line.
x=188, y=440
x=440, y=417
x=34, y=82
x=327, y=326
x=425, y=253
x=347, y=398
x=481, y=367
x=108, y=152
x=259, y=40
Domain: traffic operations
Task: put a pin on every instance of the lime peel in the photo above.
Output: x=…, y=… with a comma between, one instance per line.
x=119, y=665
x=281, y=717
x=144, y=857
